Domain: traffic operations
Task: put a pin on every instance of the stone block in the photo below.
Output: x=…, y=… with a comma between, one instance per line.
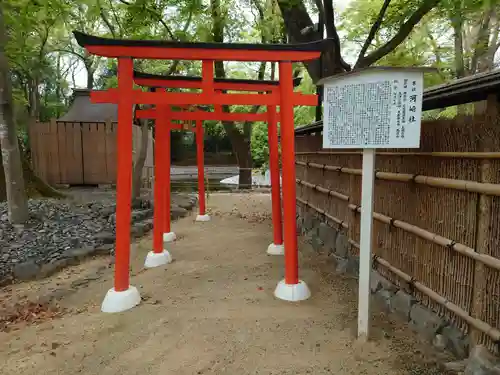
x=378, y=281
x=402, y=303
x=385, y=296
x=316, y=243
x=325, y=232
x=342, y=266
x=105, y=237
x=353, y=265
x=341, y=245
x=28, y=270
x=425, y=322
x=308, y=222
x=456, y=341
x=482, y=362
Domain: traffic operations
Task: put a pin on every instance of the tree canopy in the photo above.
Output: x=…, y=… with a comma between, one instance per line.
x=459, y=37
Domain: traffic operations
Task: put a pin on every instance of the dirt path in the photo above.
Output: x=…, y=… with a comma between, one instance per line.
x=212, y=311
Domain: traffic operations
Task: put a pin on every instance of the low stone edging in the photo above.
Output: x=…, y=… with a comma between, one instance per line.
x=142, y=223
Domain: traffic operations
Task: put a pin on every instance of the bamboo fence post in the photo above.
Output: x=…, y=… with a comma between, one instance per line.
x=483, y=227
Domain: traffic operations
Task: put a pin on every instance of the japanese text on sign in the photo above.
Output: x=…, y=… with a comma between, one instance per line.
x=373, y=109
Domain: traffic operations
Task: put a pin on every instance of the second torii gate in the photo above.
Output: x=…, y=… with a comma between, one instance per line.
x=154, y=80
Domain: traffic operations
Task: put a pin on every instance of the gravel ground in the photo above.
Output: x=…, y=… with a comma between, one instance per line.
x=211, y=311
x=60, y=229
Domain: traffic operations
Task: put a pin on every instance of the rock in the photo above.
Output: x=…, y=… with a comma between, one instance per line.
x=137, y=230
x=377, y=281
x=341, y=245
x=26, y=270
x=325, y=232
x=402, y=303
x=316, y=243
x=104, y=249
x=177, y=212
x=53, y=267
x=308, y=222
x=425, y=322
x=353, y=265
x=456, y=366
x=385, y=296
x=80, y=253
x=342, y=266
x=456, y=341
x=105, y=237
x=439, y=342
x=481, y=362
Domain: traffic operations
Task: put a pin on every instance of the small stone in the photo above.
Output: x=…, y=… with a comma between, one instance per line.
x=104, y=249
x=325, y=232
x=481, y=362
x=456, y=366
x=425, y=322
x=385, y=296
x=341, y=245
x=342, y=266
x=26, y=271
x=105, y=237
x=439, y=342
x=401, y=303
x=316, y=243
x=456, y=341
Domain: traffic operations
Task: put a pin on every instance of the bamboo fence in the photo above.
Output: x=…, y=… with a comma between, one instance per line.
x=436, y=215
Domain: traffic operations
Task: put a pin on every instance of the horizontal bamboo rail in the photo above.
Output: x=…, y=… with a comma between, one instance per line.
x=426, y=235
x=336, y=220
x=451, y=155
x=324, y=190
x=476, y=323
x=447, y=183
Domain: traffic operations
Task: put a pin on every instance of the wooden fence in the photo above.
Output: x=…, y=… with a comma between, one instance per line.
x=74, y=153
x=437, y=215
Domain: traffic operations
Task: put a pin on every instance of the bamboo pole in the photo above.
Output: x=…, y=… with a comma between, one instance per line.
x=429, y=236
x=322, y=212
x=448, y=183
x=451, y=155
x=324, y=190
x=483, y=227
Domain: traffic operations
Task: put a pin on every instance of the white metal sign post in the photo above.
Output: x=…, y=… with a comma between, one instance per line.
x=369, y=109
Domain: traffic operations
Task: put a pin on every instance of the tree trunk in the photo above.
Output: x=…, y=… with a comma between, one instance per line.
x=139, y=163
x=11, y=157
x=3, y=188
x=239, y=143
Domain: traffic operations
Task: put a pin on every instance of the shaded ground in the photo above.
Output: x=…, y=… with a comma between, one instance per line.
x=212, y=311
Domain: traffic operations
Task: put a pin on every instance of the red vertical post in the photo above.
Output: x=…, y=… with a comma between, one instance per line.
x=288, y=159
x=166, y=170
x=159, y=186
x=274, y=169
x=124, y=174
x=201, y=168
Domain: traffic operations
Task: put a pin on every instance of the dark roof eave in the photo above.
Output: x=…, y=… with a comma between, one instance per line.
x=90, y=40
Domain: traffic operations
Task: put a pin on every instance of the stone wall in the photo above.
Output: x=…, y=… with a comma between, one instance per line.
x=430, y=326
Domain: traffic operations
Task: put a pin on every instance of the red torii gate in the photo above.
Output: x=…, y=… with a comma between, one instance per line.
x=163, y=182
x=123, y=296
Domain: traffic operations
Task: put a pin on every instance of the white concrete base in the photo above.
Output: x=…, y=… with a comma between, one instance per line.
x=274, y=249
x=203, y=218
x=292, y=292
x=157, y=259
x=120, y=301
x=169, y=237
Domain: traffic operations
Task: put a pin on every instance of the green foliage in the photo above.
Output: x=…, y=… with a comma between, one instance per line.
x=45, y=58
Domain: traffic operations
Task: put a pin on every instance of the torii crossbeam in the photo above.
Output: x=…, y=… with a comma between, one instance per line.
x=123, y=296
